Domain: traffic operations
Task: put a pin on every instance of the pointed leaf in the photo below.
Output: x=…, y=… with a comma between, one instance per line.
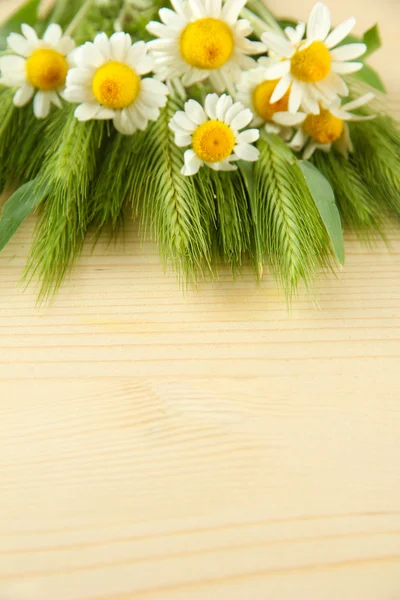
x=18, y=207
x=324, y=199
x=372, y=39
x=368, y=75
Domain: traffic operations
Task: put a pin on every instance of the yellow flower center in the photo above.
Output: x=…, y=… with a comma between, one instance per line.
x=324, y=128
x=311, y=64
x=115, y=85
x=46, y=69
x=213, y=141
x=207, y=43
x=261, y=100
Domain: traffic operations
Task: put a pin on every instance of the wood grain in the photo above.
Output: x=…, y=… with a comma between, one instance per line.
x=206, y=445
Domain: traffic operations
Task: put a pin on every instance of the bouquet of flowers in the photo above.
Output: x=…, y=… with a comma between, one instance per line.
x=232, y=135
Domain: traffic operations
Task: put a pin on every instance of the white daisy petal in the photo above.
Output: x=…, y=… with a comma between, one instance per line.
x=295, y=96
x=298, y=141
x=120, y=44
x=249, y=136
x=241, y=120
x=281, y=89
x=123, y=123
x=278, y=70
x=231, y=113
x=29, y=33
x=359, y=101
x=247, y=152
x=211, y=105
x=154, y=86
x=87, y=111
x=19, y=44
x=184, y=122
x=348, y=52
x=231, y=10
x=289, y=119
x=41, y=105
x=24, y=95
x=102, y=44
x=309, y=150
x=319, y=23
x=183, y=140
x=52, y=34
x=224, y=165
x=346, y=68
x=223, y=104
x=339, y=33
x=277, y=43
x=65, y=46
x=195, y=112
x=192, y=163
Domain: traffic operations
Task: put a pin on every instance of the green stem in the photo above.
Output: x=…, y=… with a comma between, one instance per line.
x=260, y=17
x=80, y=15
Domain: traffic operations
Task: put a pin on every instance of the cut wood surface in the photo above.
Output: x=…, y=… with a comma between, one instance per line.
x=206, y=445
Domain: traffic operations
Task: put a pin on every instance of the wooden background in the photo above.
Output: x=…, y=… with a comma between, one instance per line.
x=207, y=446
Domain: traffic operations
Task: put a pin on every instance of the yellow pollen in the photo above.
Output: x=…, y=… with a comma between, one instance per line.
x=311, y=64
x=261, y=100
x=46, y=69
x=213, y=141
x=207, y=43
x=115, y=85
x=324, y=128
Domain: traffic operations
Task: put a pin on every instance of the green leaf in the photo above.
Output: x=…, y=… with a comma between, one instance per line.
x=372, y=39
x=26, y=14
x=368, y=75
x=324, y=199
x=18, y=207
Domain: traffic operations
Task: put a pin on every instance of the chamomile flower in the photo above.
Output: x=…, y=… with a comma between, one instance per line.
x=202, y=38
x=319, y=132
x=310, y=69
x=37, y=68
x=107, y=83
x=255, y=91
x=213, y=134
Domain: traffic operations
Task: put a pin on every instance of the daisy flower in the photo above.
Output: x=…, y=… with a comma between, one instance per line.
x=107, y=83
x=319, y=132
x=255, y=91
x=311, y=68
x=38, y=65
x=202, y=38
x=213, y=134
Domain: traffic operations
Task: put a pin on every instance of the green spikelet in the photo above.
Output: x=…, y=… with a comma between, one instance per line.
x=293, y=238
x=233, y=218
x=359, y=209
x=377, y=158
x=69, y=171
x=172, y=207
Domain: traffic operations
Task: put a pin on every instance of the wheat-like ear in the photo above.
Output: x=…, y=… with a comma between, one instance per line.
x=292, y=235
x=359, y=208
x=69, y=171
x=174, y=208
x=376, y=157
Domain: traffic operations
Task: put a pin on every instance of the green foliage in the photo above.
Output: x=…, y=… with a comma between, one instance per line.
x=372, y=39
x=26, y=14
x=324, y=199
x=69, y=169
x=175, y=209
x=377, y=159
x=293, y=236
x=369, y=76
x=233, y=225
x=18, y=207
x=22, y=141
x=359, y=209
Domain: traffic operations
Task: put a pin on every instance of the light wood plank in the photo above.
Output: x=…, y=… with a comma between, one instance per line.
x=210, y=445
